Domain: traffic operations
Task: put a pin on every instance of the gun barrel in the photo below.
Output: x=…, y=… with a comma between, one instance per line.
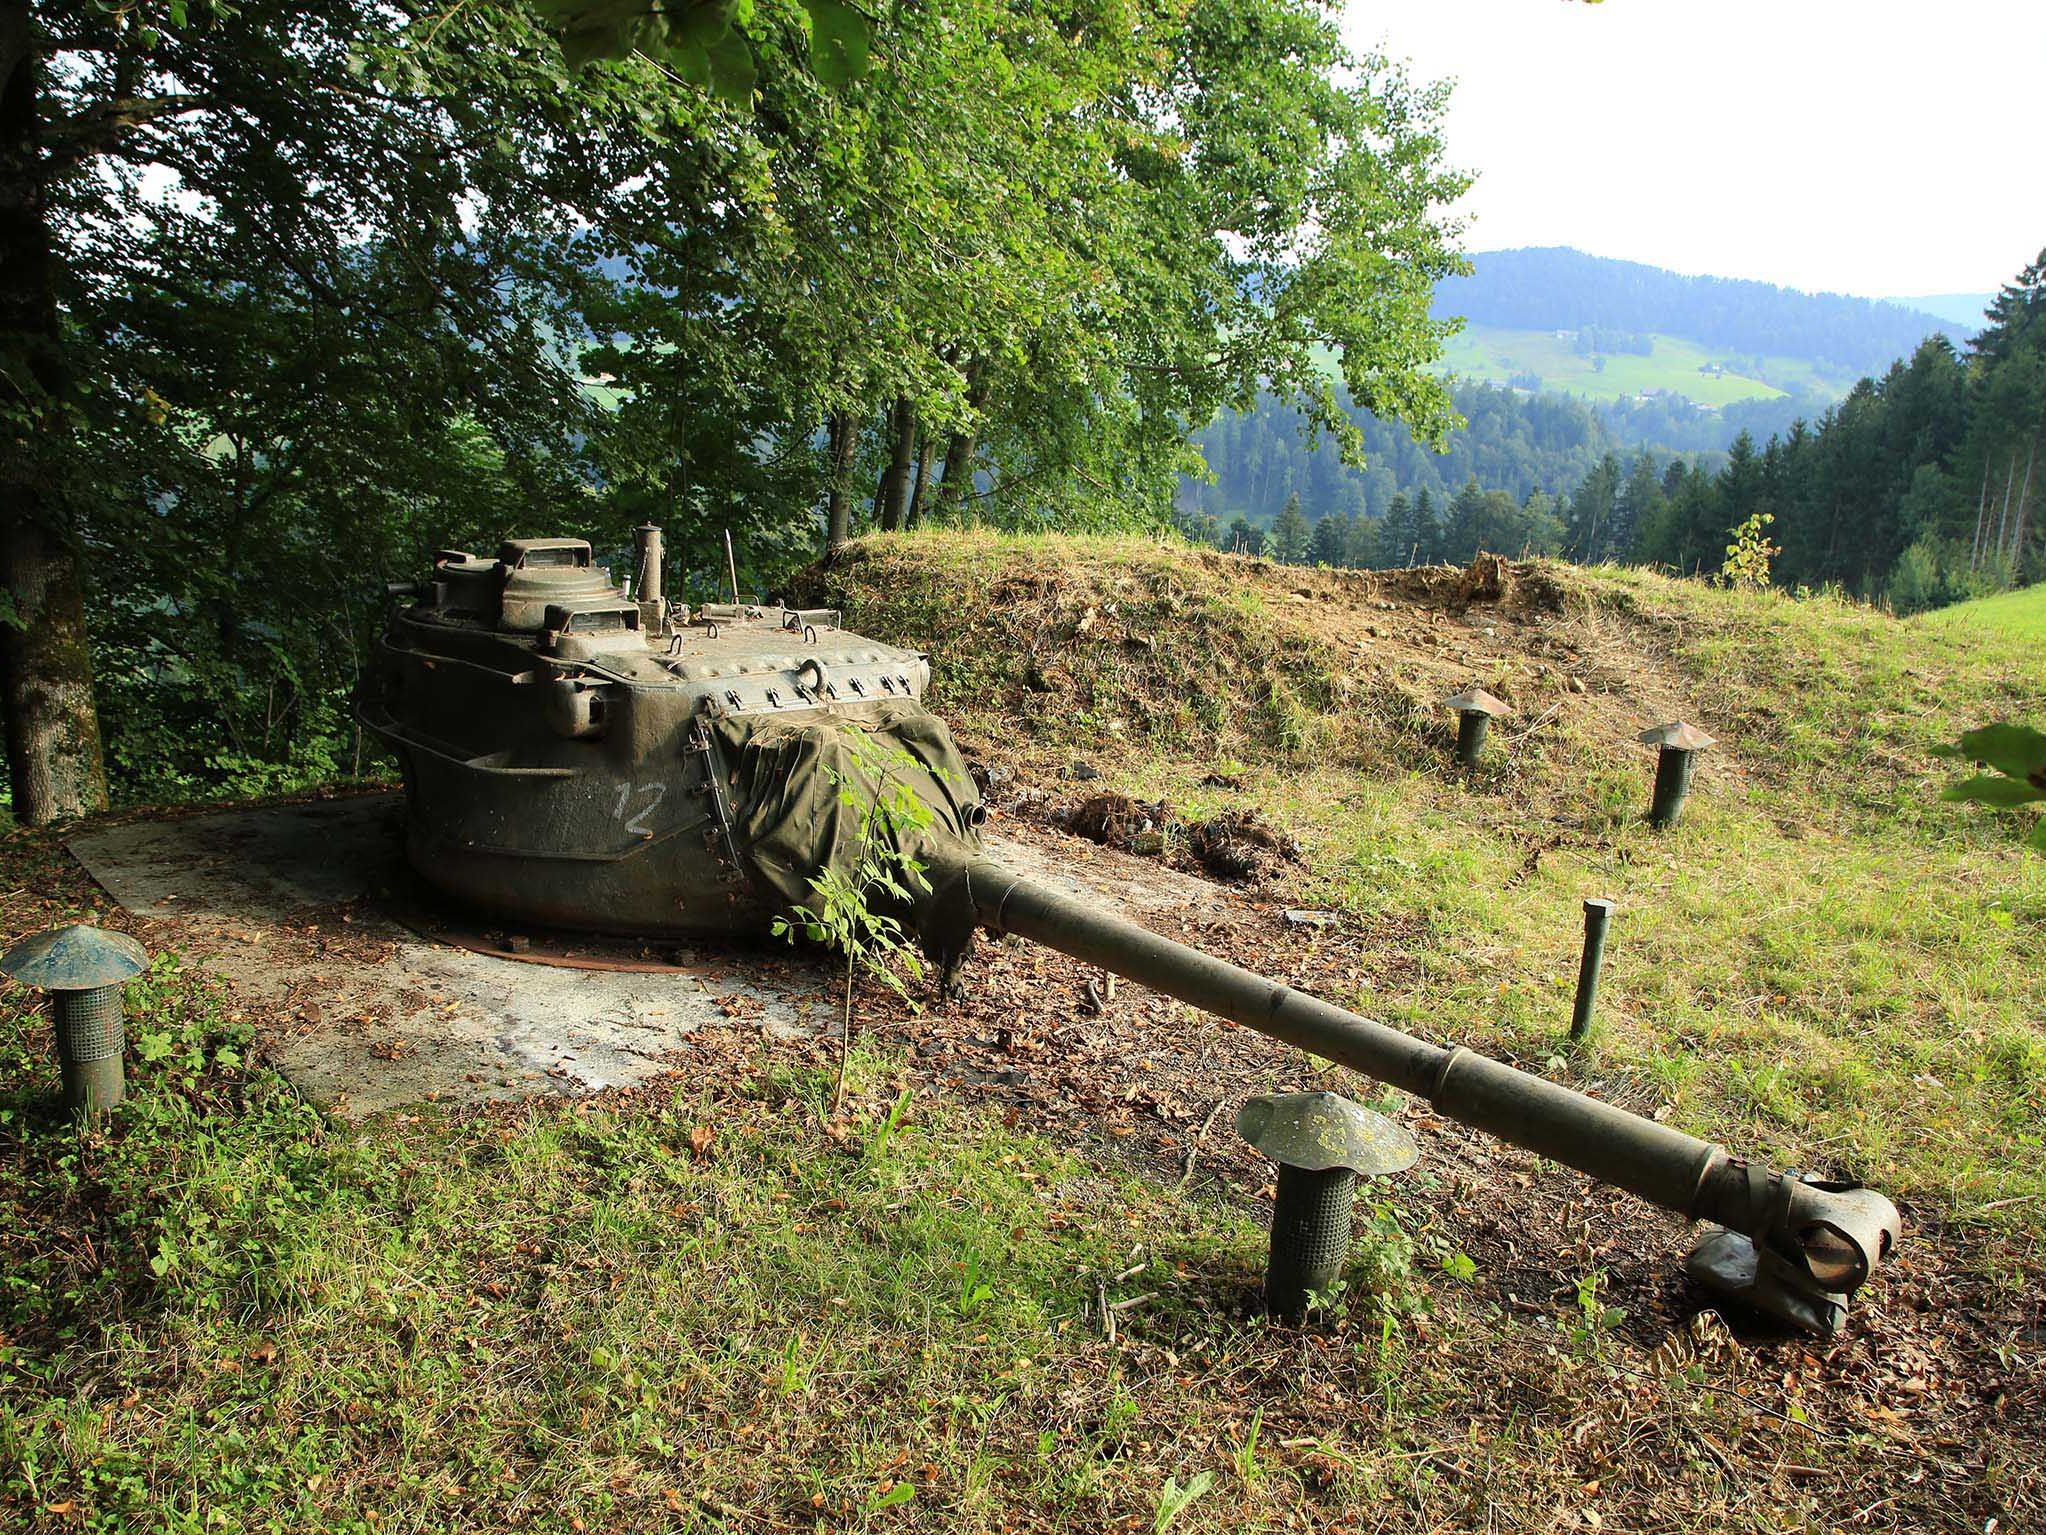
x=1831, y=1236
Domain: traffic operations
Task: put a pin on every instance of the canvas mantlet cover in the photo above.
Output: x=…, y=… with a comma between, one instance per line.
x=831, y=791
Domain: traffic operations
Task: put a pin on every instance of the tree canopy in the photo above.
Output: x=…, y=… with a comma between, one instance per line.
x=297, y=293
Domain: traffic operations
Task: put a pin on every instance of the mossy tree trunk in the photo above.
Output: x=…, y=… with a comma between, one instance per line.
x=53, y=741
x=926, y=459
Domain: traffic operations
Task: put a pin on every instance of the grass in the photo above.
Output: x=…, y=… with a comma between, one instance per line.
x=708, y=1306
x=2018, y=615
x=564, y=1319
x=1498, y=354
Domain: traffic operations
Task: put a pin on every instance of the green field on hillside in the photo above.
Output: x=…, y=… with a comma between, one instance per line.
x=2019, y=615
x=1012, y=1287
x=1489, y=352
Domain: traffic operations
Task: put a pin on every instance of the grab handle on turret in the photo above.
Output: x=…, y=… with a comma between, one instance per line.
x=1808, y=1244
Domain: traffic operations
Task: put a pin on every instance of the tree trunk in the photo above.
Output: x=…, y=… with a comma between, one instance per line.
x=958, y=477
x=844, y=437
x=888, y=500
x=2003, y=521
x=53, y=741
x=926, y=455
x=1981, y=516
x=2017, y=538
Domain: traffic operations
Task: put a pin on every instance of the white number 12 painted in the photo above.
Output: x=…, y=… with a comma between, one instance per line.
x=637, y=825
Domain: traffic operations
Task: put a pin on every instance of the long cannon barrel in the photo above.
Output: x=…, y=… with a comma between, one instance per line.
x=1808, y=1243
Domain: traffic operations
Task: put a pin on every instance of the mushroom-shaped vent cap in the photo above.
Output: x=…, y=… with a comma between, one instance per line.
x=1317, y=1131
x=1475, y=700
x=77, y=958
x=1676, y=735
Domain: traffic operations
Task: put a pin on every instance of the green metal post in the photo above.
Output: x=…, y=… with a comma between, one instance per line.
x=1596, y=915
x=1310, y=1237
x=1472, y=726
x=91, y=1037
x=1672, y=783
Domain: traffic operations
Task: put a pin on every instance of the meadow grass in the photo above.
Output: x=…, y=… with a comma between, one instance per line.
x=1824, y=962
x=1495, y=353
x=2018, y=615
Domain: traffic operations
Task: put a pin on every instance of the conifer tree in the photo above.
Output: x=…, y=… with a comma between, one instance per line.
x=1290, y=534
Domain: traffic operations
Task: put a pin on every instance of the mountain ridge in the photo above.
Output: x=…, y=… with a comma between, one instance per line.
x=1559, y=288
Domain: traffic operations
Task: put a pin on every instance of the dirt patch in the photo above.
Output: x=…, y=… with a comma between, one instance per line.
x=1239, y=847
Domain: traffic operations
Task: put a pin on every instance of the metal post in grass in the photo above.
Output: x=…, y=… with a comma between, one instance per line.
x=1597, y=914
x=83, y=968
x=1474, y=711
x=1322, y=1144
x=1678, y=745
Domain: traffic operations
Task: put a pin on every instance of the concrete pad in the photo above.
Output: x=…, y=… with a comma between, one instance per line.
x=294, y=905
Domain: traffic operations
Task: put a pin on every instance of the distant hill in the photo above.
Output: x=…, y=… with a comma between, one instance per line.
x=1566, y=358
x=1962, y=309
x=1625, y=302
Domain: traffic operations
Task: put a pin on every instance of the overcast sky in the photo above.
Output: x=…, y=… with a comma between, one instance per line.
x=1879, y=148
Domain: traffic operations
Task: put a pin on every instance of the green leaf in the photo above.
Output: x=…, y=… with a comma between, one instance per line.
x=1174, y=1499
x=2017, y=750
x=690, y=62
x=838, y=41
x=894, y=1497
x=731, y=69
x=2003, y=792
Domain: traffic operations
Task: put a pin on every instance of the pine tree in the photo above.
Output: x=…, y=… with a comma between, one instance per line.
x=1290, y=533
x=1639, y=504
x=1364, y=547
x=1588, y=525
x=1465, y=530
x=1329, y=542
x=1427, y=541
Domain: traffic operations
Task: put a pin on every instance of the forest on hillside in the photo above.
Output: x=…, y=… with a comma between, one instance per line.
x=1511, y=440
x=1917, y=489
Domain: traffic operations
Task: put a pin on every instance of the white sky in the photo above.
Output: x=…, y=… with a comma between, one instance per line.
x=1885, y=147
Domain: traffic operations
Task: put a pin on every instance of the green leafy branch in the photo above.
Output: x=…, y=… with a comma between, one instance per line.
x=844, y=914
x=705, y=41
x=2018, y=755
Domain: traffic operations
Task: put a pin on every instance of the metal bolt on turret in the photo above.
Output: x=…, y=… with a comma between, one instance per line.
x=1322, y=1144
x=1475, y=709
x=1678, y=745
x=83, y=969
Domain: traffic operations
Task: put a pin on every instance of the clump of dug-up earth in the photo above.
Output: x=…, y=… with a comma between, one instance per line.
x=1239, y=846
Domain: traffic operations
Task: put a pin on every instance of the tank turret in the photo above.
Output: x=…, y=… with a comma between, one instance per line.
x=569, y=750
